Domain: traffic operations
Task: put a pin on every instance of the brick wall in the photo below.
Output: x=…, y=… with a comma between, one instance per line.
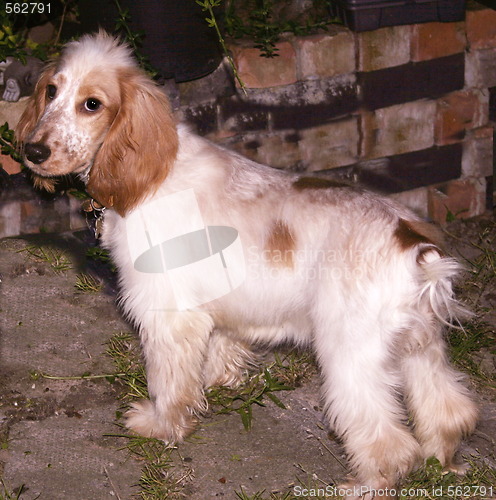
x=407, y=110
x=404, y=110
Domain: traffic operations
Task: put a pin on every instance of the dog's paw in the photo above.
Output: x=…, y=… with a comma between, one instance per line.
x=141, y=419
x=458, y=468
x=171, y=427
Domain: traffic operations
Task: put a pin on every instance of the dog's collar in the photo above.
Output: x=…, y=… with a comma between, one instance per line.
x=91, y=205
x=94, y=212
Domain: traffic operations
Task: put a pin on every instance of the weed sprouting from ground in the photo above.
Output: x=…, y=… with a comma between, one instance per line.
x=161, y=477
x=88, y=283
x=468, y=345
x=477, y=339
x=284, y=374
x=124, y=350
x=6, y=494
x=484, y=265
x=56, y=259
x=102, y=256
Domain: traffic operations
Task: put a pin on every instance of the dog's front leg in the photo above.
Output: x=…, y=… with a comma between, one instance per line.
x=174, y=349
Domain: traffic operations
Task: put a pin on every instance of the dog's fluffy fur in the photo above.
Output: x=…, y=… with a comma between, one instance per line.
x=356, y=277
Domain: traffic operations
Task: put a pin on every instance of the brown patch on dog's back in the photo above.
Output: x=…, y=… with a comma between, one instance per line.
x=280, y=245
x=410, y=233
x=317, y=183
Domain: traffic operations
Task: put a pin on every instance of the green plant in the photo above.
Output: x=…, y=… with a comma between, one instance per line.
x=134, y=39
x=99, y=254
x=7, y=142
x=164, y=473
x=264, y=22
x=14, y=29
x=124, y=350
x=88, y=283
x=56, y=259
x=259, y=21
x=478, y=336
x=244, y=496
x=259, y=387
x=241, y=399
x=451, y=217
x=466, y=345
x=11, y=44
x=284, y=374
x=159, y=479
x=209, y=6
x=484, y=265
x=6, y=494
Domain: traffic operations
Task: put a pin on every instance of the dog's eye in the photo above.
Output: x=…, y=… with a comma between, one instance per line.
x=51, y=91
x=92, y=104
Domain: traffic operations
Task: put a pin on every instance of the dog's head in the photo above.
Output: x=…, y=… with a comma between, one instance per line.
x=95, y=113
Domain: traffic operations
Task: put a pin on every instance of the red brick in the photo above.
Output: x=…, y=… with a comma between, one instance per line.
x=481, y=28
x=433, y=40
x=330, y=145
x=403, y=128
x=277, y=152
x=9, y=165
x=368, y=133
x=10, y=219
x=76, y=218
x=262, y=72
x=480, y=68
x=28, y=209
x=459, y=198
x=384, y=48
x=484, y=132
x=415, y=199
x=326, y=55
x=455, y=114
x=478, y=153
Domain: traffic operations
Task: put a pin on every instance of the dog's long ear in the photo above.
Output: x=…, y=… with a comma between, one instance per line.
x=139, y=148
x=35, y=106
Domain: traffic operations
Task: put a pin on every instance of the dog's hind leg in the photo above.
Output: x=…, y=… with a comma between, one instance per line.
x=360, y=384
x=441, y=407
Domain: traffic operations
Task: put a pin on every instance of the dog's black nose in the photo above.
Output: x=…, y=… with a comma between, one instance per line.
x=36, y=152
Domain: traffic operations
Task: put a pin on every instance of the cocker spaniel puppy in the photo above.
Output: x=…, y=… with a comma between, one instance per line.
x=217, y=253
